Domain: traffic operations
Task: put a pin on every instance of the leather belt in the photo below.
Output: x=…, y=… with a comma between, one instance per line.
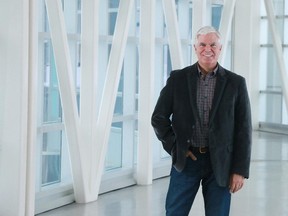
x=201, y=150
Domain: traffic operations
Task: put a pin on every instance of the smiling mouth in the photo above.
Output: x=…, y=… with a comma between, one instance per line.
x=208, y=56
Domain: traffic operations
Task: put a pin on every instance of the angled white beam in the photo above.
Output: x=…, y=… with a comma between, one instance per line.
x=110, y=89
x=225, y=26
x=88, y=107
x=173, y=33
x=146, y=83
x=277, y=45
x=67, y=92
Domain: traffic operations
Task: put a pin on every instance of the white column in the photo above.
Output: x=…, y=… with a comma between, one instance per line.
x=173, y=33
x=277, y=45
x=32, y=108
x=199, y=12
x=247, y=48
x=14, y=52
x=89, y=79
x=146, y=83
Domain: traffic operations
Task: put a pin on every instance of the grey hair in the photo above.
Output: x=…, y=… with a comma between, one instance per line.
x=206, y=30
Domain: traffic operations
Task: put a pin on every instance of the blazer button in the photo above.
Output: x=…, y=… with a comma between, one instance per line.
x=188, y=141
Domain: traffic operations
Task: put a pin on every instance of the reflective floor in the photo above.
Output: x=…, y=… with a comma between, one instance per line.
x=264, y=194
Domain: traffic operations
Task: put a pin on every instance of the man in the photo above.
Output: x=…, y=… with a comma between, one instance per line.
x=203, y=119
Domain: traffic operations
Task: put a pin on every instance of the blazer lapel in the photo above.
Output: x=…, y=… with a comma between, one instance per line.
x=192, y=87
x=219, y=89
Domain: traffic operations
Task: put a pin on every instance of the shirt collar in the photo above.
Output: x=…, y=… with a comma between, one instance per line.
x=211, y=74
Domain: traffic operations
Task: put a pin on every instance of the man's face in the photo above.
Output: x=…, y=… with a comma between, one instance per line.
x=208, y=49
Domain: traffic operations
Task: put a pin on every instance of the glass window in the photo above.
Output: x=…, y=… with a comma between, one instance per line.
x=51, y=158
x=114, y=153
x=119, y=100
x=78, y=27
x=112, y=15
x=113, y=3
x=216, y=15
x=271, y=95
x=112, y=22
x=52, y=111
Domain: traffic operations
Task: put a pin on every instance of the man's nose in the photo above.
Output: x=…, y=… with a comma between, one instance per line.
x=208, y=48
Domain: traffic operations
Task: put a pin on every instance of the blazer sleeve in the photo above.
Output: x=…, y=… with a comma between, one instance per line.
x=243, y=133
x=161, y=117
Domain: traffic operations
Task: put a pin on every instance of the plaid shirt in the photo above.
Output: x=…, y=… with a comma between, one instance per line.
x=205, y=92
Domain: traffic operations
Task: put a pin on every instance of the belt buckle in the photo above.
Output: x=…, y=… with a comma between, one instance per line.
x=202, y=150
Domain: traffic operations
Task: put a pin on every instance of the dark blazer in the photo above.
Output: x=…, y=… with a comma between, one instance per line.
x=175, y=115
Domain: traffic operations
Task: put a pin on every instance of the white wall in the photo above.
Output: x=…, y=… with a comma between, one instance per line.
x=14, y=17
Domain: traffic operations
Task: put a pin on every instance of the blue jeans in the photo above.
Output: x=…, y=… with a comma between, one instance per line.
x=184, y=185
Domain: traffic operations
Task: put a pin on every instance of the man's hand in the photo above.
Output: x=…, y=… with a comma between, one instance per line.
x=236, y=183
x=191, y=155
